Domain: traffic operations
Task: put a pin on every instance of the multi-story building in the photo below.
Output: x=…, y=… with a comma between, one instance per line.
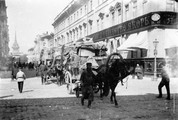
x=4, y=35
x=140, y=30
x=43, y=49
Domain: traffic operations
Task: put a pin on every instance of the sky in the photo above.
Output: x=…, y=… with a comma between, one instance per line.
x=28, y=18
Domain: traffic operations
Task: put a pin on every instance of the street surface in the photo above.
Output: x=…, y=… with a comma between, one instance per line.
x=136, y=99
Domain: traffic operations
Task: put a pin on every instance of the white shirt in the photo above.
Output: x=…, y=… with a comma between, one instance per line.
x=68, y=77
x=20, y=76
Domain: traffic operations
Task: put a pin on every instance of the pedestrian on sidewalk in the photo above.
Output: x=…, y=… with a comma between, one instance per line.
x=164, y=82
x=139, y=72
x=20, y=79
x=68, y=80
x=43, y=72
x=87, y=82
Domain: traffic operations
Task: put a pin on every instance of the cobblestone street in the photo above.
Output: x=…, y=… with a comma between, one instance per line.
x=137, y=100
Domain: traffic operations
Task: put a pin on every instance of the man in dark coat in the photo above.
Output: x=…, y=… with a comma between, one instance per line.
x=87, y=82
x=43, y=70
x=164, y=82
x=59, y=73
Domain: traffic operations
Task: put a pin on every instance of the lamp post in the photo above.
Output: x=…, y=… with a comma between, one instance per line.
x=155, y=42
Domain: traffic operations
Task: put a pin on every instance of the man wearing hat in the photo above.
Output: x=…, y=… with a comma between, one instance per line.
x=87, y=82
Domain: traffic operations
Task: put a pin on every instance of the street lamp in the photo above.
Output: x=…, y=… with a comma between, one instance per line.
x=155, y=42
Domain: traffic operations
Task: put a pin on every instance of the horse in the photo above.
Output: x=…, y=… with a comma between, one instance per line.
x=113, y=73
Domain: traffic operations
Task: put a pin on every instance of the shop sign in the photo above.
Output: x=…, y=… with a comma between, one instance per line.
x=154, y=19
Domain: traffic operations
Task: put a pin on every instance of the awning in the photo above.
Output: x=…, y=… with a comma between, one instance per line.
x=171, y=38
x=141, y=41
x=128, y=43
x=135, y=41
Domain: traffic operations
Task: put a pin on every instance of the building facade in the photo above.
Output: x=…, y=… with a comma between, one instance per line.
x=4, y=35
x=43, y=49
x=138, y=29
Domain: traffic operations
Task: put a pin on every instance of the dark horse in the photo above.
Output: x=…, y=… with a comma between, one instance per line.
x=111, y=73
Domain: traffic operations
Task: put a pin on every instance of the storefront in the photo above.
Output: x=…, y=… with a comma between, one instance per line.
x=135, y=38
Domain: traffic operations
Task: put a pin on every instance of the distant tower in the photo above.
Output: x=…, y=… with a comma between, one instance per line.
x=15, y=47
x=4, y=35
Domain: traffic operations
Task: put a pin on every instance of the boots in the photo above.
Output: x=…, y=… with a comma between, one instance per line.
x=89, y=103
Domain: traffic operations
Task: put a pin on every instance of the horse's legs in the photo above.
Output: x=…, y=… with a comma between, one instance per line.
x=115, y=101
x=112, y=95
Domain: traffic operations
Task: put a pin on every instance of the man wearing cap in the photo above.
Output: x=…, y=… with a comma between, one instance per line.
x=87, y=82
x=20, y=79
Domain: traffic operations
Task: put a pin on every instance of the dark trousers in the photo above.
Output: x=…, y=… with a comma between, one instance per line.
x=87, y=93
x=20, y=86
x=43, y=78
x=166, y=84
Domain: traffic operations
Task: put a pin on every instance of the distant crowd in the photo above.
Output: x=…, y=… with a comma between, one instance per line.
x=29, y=65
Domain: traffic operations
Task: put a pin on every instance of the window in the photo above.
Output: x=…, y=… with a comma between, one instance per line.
x=135, y=8
x=77, y=36
x=113, y=18
x=91, y=4
x=97, y=25
x=170, y=5
x=81, y=11
x=119, y=15
x=85, y=30
x=80, y=31
x=126, y=11
x=85, y=9
x=74, y=17
x=119, y=12
x=71, y=18
x=77, y=15
x=68, y=20
x=126, y=7
x=102, y=24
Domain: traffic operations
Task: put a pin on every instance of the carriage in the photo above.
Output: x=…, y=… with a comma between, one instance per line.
x=108, y=75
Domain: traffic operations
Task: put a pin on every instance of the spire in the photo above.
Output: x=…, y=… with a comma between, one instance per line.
x=15, y=46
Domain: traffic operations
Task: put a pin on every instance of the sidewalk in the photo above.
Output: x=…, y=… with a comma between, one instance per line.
x=34, y=89
x=145, y=86
x=137, y=100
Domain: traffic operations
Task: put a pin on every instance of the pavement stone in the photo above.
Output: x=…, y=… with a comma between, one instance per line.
x=51, y=101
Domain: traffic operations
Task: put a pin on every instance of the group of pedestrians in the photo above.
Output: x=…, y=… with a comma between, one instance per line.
x=46, y=72
x=88, y=80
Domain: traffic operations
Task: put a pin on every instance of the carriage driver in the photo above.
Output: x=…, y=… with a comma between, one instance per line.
x=87, y=81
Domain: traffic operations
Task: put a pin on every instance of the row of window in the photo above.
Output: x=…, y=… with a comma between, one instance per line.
x=78, y=14
x=116, y=15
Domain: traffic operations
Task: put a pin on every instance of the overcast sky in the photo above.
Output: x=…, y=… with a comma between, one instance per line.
x=29, y=18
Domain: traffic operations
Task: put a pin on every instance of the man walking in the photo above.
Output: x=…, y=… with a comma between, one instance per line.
x=87, y=82
x=164, y=82
x=68, y=80
x=20, y=79
x=59, y=72
x=43, y=70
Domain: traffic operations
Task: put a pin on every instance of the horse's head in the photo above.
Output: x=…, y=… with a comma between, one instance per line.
x=121, y=68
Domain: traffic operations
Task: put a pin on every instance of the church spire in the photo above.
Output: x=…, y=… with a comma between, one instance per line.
x=15, y=46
